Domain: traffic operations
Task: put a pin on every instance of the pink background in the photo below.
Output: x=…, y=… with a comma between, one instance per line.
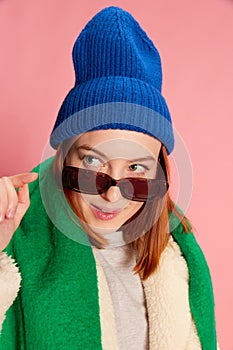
x=195, y=40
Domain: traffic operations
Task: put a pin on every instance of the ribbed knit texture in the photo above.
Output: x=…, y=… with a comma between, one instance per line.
x=57, y=306
x=115, y=61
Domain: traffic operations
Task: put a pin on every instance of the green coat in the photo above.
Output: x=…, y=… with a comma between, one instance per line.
x=57, y=306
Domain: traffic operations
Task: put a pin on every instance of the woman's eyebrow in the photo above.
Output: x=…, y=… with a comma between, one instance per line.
x=143, y=158
x=89, y=148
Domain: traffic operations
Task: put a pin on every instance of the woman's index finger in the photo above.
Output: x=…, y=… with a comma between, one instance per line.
x=22, y=179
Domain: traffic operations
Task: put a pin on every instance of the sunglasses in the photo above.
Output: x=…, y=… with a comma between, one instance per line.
x=135, y=189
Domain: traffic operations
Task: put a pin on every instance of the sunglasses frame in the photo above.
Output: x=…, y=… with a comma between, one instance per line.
x=163, y=185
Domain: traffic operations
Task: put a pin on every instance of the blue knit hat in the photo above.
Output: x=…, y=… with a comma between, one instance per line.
x=118, y=82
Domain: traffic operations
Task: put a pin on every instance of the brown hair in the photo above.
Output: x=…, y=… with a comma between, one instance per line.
x=151, y=244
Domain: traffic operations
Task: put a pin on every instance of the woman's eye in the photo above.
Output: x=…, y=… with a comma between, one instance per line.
x=138, y=168
x=91, y=161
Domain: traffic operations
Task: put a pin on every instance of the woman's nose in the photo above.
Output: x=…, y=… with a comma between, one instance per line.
x=113, y=194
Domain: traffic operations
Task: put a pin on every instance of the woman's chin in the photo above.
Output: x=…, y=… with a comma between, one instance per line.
x=103, y=230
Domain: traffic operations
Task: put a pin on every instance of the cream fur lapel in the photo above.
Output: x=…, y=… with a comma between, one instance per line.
x=171, y=326
x=10, y=279
x=108, y=326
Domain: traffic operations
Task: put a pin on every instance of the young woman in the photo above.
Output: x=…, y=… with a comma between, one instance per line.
x=103, y=258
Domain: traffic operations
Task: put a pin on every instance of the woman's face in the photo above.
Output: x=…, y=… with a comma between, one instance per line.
x=120, y=154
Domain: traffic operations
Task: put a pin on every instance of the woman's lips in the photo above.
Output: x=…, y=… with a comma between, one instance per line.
x=102, y=215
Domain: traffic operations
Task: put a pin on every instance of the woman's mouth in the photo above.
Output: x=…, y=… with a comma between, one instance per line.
x=104, y=214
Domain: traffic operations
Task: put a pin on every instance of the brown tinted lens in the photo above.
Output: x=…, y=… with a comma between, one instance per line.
x=142, y=189
x=85, y=181
x=134, y=189
x=157, y=189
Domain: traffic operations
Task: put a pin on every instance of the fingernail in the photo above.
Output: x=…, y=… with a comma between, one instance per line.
x=10, y=213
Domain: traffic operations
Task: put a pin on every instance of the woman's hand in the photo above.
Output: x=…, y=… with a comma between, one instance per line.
x=13, y=205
